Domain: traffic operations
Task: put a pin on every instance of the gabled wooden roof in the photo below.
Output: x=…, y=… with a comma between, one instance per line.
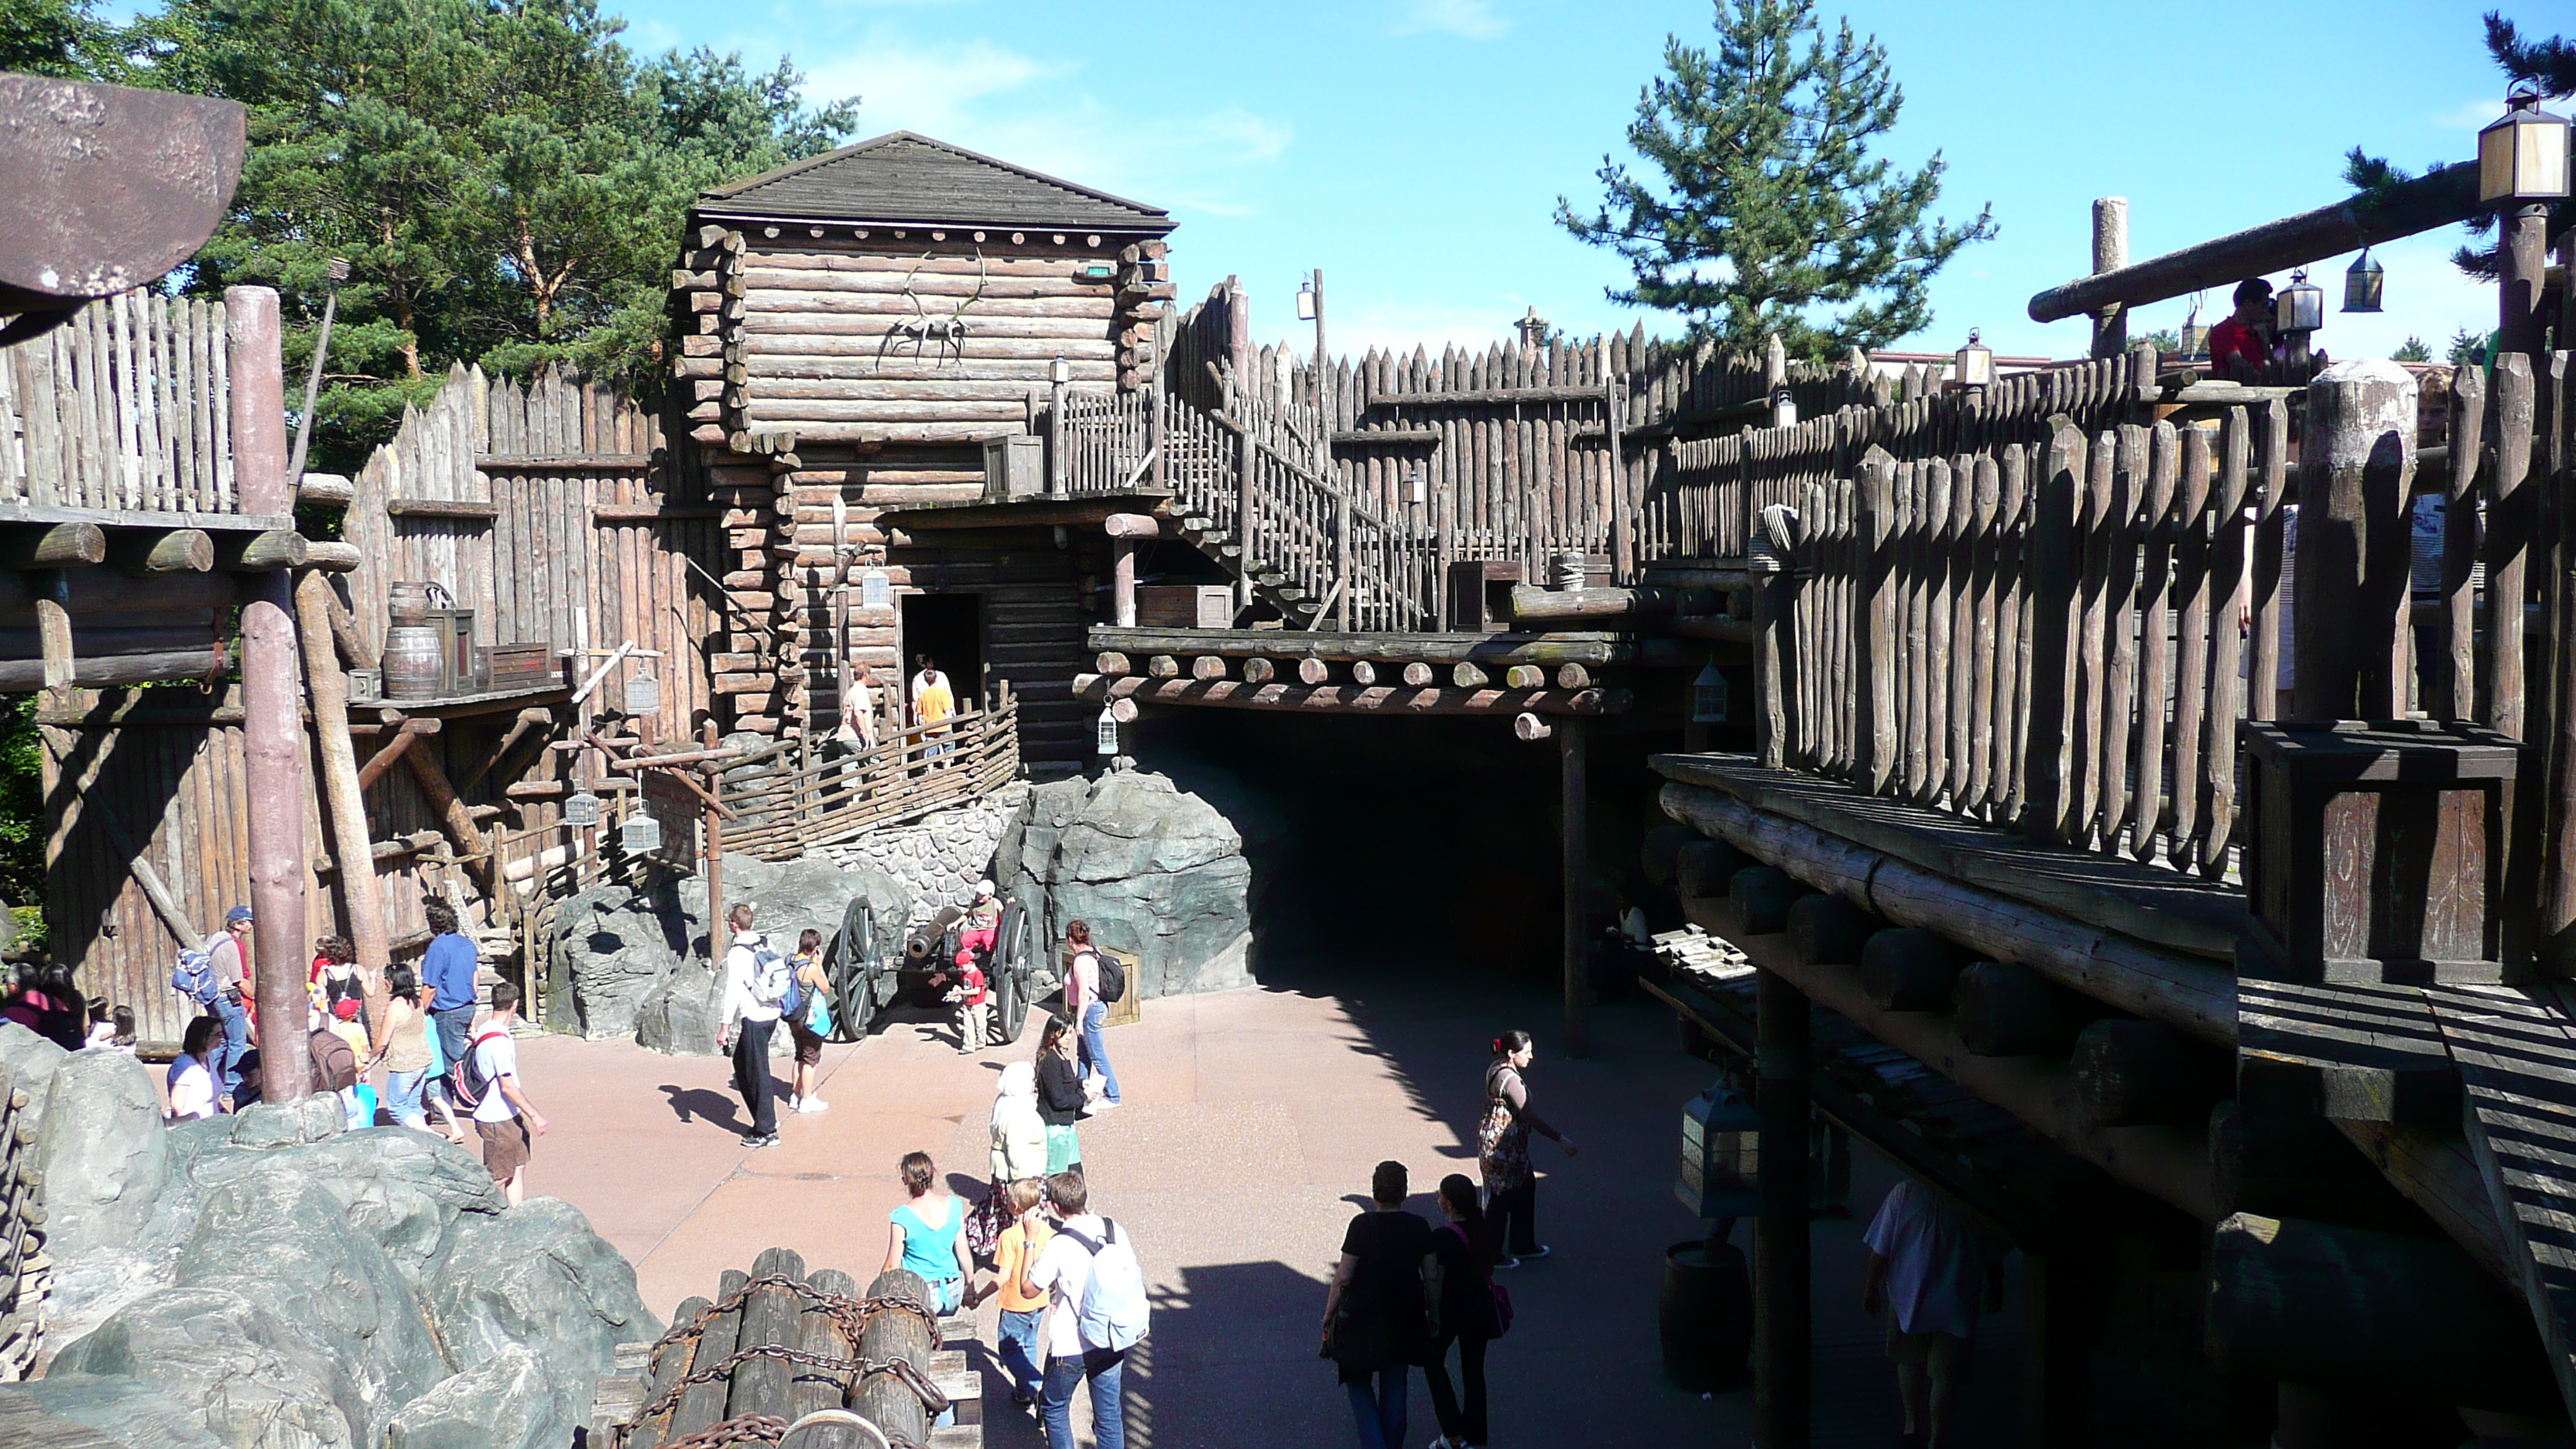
x=903, y=177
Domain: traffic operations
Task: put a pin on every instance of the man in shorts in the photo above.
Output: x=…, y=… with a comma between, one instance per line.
x=1927, y=1262
x=505, y=1119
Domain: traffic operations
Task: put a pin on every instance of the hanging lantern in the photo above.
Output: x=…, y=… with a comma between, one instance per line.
x=640, y=835
x=643, y=694
x=1721, y=1155
x=2522, y=157
x=1306, y=301
x=581, y=808
x=1107, y=743
x=1708, y=696
x=2300, y=306
x=876, y=590
x=1975, y=363
x=2362, y=282
x=2195, y=333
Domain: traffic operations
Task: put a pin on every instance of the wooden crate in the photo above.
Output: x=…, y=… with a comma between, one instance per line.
x=1185, y=606
x=1130, y=1007
x=1480, y=594
x=518, y=666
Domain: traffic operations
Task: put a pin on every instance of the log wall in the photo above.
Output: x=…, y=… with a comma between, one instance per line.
x=126, y=406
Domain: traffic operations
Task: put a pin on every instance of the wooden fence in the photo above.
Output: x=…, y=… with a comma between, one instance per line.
x=2048, y=637
x=792, y=808
x=125, y=407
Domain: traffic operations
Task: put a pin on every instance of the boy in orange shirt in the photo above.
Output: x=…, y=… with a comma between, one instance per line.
x=1020, y=1244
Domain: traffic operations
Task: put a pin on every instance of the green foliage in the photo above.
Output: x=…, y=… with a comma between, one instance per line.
x=2412, y=350
x=505, y=178
x=59, y=38
x=2549, y=64
x=22, y=803
x=2166, y=341
x=2468, y=349
x=1769, y=213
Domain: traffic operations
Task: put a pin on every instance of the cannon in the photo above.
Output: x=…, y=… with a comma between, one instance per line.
x=871, y=966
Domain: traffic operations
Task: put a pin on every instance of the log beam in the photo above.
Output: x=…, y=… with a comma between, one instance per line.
x=1533, y=604
x=1376, y=699
x=2004, y=1009
x=256, y=553
x=51, y=546
x=141, y=553
x=343, y=786
x=390, y=753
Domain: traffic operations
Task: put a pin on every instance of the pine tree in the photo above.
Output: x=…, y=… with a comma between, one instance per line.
x=2549, y=64
x=2412, y=350
x=1769, y=214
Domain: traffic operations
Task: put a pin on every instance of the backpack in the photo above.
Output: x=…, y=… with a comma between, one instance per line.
x=1113, y=1312
x=1113, y=977
x=1434, y=1279
x=791, y=1004
x=194, y=975
x=770, y=978
x=466, y=1083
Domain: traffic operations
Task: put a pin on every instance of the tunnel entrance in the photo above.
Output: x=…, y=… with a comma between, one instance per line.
x=1382, y=838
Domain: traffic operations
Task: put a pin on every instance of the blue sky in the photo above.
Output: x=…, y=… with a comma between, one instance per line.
x=1414, y=149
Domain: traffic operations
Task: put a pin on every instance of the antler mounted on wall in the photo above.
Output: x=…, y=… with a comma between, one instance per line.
x=948, y=333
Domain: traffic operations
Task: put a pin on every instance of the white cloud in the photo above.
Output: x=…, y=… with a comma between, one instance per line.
x=926, y=89
x=1471, y=19
x=1258, y=139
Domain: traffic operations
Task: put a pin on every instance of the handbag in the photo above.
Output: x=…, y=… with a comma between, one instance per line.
x=818, y=1016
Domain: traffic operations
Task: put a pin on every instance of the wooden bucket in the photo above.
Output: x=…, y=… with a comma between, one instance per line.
x=406, y=601
x=414, y=657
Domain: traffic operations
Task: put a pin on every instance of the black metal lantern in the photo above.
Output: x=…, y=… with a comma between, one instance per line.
x=2362, y=282
x=1709, y=700
x=2300, y=306
x=1721, y=1155
x=2522, y=156
x=1975, y=363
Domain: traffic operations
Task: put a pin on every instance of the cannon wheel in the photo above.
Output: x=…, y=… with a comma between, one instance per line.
x=853, y=965
x=1014, y=962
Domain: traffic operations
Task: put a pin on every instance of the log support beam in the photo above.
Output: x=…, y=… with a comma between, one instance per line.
x=1572, y=825
x=1782, y=1329
x=1373, y=699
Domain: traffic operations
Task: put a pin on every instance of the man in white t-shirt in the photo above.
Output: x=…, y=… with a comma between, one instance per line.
x=1063, y=1273
x=1931, y=1267
x=504, y=1118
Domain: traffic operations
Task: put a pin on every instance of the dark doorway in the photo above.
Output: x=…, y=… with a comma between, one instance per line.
x=950, y=629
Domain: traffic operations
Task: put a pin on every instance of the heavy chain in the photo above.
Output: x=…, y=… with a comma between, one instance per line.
x=761, y=1429
x=904, y=1371
x=851, y=1313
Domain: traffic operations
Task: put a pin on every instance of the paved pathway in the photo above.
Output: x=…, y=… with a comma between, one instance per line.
x=1251, y=1124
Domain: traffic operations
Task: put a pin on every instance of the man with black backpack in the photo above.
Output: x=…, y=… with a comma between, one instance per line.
x=1096, y=1313
x=756, y=980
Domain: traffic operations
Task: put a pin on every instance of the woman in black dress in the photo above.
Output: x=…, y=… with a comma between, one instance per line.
x=1373, y=1320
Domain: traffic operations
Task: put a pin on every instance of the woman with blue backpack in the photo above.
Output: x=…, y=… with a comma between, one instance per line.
x=808, y=1012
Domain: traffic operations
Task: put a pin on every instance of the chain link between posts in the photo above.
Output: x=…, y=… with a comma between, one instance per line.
x=851, y=1314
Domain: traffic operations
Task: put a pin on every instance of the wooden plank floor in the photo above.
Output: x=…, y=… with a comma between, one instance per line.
x=2162, y=907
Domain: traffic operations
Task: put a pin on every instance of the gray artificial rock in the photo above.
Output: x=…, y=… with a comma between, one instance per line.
x=399, y=1186
x=612, y=947
x=122, y=1408
x=276, y=1237
x=1155, y=870
x=31, y=1061
x=505, y=1402
x=682, y=1014
x=265, y=1125
x=104, y=1152
x=252, y=1379
x=538, y=1274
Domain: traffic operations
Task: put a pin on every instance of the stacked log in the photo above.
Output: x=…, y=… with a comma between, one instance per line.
x=778, y=1347
x=1145, y=294
x=706, y=302
x=26, y=1273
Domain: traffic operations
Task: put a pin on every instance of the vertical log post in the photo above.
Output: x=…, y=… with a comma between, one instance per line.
x=2057, y=565
x=1780, y=1272
x=341, y=790
x=2523, y=261
x=1058, y=466
x=1571, y=825
x=1245, y=462
x=1127, y=533
x=2455, y=672
x=2355, y=468
x=1876, y=637
x=2110, y=254
x=272, y=731
x=716, y=926
x=1343, y=586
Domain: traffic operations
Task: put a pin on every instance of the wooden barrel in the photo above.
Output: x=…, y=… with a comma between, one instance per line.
x=1705, y=1316
x=882, y=1399
x=413, y=654
x=406, y=601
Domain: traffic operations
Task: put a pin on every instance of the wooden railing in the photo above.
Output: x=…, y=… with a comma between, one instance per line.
x=126, y=407
x=910, y=772
x=2063, y=638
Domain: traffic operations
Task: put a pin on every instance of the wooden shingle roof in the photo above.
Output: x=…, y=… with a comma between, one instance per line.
x=903, y=177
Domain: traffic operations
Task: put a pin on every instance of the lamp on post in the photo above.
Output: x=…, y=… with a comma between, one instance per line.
x=1533, y=329
x=2522, y=167
x=1975, y=364
x=1306, y=300
x=2195, y=333
x=2362, y=283
x=2298, y=310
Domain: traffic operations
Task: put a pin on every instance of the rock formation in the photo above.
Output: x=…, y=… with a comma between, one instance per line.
x=1155, y=870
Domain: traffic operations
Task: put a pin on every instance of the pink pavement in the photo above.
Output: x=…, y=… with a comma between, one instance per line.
x=1250, y=1124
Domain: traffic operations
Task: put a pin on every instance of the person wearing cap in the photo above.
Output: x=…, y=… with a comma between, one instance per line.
x=229, y=951
x=982, y=930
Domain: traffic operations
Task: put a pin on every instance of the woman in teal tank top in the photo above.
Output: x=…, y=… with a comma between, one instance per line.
x=928, y=1237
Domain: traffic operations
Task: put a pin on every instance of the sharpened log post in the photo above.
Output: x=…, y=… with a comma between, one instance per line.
x=2057, y=566
x=820, y=1333
x=1874, y=642
x=2351, y=587
x=769, y=1320
x=702, y=1405
x=1782, y=1064
x=1127, y=531
x=272, y=727
x=1773, y=612
x=1572, y=825
x=342, y=790
x=883, y=1399
x=2110, y=254
x=717, y=940
x=2522, y=258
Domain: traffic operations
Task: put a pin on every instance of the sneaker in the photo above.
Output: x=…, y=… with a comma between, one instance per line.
x=754, y=1139
x=1540, y=1251
x=1098, y=1105
x=1507, y=1263
x=769, y=1140
x=813, y=1104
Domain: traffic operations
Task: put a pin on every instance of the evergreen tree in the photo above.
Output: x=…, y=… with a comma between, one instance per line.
x=2549, y=64
x=1769, y=214
x=504, y=177
x=2412, y=350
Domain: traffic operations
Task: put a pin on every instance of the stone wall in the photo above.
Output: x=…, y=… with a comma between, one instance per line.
x=939, y=858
